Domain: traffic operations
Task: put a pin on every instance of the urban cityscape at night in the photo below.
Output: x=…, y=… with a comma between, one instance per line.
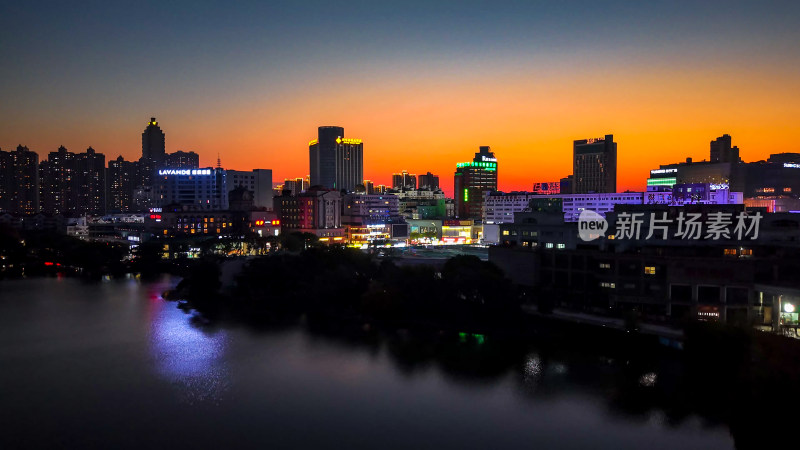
x=368, y=225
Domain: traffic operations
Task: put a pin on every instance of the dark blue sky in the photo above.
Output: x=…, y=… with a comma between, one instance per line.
x=71, y=70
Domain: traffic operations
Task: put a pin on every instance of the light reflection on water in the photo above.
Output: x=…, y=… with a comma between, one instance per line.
x=533, y=369
x=186, y=354
x=113, y=365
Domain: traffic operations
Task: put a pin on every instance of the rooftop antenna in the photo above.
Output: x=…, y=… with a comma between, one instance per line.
x=219, y=162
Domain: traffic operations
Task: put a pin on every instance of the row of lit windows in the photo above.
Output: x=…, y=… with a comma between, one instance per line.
x=740, y=252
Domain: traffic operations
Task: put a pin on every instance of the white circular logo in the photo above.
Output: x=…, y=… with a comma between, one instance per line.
x=591, y=225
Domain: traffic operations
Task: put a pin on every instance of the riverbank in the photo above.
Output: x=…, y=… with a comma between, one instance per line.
x=111, y=365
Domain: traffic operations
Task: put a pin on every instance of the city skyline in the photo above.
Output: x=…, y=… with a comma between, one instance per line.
x=639, y=180
x=431, y=83
x=453, y=224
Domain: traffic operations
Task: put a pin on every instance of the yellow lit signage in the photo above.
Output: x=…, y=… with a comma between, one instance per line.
x=340, y=140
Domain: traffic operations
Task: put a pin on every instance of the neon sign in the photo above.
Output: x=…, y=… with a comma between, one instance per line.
x=184, y=172
x=340, y=140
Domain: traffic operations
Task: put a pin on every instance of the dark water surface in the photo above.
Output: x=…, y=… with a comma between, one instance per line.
x=112, y=365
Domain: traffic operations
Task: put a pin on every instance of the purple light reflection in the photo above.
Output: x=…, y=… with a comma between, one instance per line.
x=184, y=353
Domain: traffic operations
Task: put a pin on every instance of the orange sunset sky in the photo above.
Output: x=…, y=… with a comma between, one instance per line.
x=422, y=88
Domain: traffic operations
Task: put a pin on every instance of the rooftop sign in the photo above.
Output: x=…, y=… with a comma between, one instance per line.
x=660, y=171
x=184, y=172
x=341, y=140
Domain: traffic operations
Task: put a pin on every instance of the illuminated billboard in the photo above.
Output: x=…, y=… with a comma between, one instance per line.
x=184, y=172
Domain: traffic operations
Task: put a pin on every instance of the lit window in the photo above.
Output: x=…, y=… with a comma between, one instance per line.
x=605, y=265
x=650, y=270
x=548, y=245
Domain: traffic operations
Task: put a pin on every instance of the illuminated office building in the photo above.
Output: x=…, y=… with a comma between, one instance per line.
x=594, y=165
x=472, y=181
x=336, y=162
x=192, y=189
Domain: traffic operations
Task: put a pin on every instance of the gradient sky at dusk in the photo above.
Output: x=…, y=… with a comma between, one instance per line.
x=423, y=84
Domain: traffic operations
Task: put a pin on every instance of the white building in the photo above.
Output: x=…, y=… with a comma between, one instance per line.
x=707, y=194
x=574, y=204
x=499, y=207
x=257, y=181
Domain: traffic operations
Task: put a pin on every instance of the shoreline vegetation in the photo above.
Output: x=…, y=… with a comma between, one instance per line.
x=728, y=374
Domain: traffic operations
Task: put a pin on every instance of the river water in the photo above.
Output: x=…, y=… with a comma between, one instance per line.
x=113, y=365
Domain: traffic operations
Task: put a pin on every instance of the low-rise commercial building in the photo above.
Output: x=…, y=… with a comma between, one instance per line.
x=744, y=276
x=316, y=211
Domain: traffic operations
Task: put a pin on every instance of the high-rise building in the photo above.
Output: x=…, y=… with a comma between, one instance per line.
x=19, y=181
x=57, y=180
x=257, y=181
x=120, y=182
x=90, y=182
x=153, y=152
x=594, y=165
x=73, y=183
x=472, y=180
x=404, y=180
x=369, y=187
x=181, y=160
x=428, y=181
x=5, y=180
x=722, y=151
x=336, y=162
